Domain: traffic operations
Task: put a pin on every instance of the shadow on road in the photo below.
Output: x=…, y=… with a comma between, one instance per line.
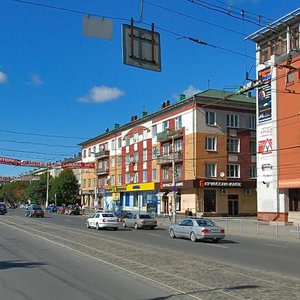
x=10, y=264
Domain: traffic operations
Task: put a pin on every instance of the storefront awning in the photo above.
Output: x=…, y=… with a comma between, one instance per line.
x=289, y=183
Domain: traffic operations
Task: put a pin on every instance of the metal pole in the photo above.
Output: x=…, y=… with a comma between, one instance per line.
x=173, y=183
x=47, y=190
x=298, y=230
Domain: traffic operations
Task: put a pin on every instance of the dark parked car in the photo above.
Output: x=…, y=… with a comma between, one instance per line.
x=3, y=209
x=34, y=210
x=73, y=210
x=52, y=208
x=122, y=214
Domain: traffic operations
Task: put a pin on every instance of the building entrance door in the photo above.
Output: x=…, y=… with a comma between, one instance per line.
x=233, y=205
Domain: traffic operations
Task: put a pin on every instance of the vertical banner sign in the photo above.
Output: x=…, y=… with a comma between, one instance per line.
x=264, y=96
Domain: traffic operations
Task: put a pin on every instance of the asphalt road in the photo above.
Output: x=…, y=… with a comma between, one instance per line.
x=238, y=267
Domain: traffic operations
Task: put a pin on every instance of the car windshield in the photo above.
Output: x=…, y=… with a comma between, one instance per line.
x=145, y=217
x=206, y=222
x=108, y=215
x=36, y=207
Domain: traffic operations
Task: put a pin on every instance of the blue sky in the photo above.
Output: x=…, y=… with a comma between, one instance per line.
x=59, y=88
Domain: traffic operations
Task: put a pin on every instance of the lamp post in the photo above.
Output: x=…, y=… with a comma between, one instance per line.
x=47, y=189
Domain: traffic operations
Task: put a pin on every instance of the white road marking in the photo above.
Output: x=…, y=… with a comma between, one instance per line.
x=153, y=234
x=278, y=246
x=215, y=245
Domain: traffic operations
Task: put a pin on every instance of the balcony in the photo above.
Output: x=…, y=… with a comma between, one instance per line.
x=167, y=159
x=169, y=135
x=102, y=171
x=102, y=154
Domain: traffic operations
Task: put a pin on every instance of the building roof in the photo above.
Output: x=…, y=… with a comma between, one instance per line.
x=275, y=27
x=200, y=97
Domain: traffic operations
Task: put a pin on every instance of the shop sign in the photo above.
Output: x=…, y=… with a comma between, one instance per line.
x=169, y=185
x=223, y=184
x=149, y=186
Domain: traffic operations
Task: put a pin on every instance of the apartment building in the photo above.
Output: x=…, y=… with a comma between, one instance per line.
x=198, y=153
x=278, y=126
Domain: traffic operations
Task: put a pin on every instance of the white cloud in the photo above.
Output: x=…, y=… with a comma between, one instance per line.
x=36, y=80
x=3, y=77
x=100, y=94
x=191, y=91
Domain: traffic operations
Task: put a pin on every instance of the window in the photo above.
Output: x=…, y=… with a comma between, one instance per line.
x=94, y=150
x=252, y=122
x=127, y=178
x=155, y=152
x=112, y=180
x=145, y=155
x=135, y=137
x=210, y=118
x=233, y=121
x=253, y=173
x=210, y=170
x=294, y=39
x=84, y=154
x=113, y=162
x=119, y=179
x=136, y=156
x=178, y=172
x=165, y=125
x=90, y=152
x=210, y=144
x=166, y=149
x=178, y=146
x=252, y=147
x=127, y=159
x=119, y=142
x=145, y=134
x=127, y=141
x=113, y=144
x=233, y=171
x=89, y=182
x=165, y=172
x=119, y=160
x=154, y=130
x=144, y=175
x=291, y=76
x=83, y=183
x=233, y=145
x=178, y=123
x=136, y=177
x=154, y=174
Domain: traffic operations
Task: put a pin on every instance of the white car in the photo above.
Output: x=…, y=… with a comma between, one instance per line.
x=100, y=220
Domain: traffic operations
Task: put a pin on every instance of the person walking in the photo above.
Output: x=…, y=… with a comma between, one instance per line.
x=82, y=208
x=170, y=215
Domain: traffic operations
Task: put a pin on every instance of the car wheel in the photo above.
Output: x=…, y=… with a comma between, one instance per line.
x=172, y=234
x=115, y=228
x=124, y=224
x=136, y=226
x=42, y=216
x=88, y=225
x=97, y=226
x=193, y=237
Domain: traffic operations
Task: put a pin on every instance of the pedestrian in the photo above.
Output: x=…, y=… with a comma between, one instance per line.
x=170, y=214
x=187, y=212
x=190, y=213
x=82, y=208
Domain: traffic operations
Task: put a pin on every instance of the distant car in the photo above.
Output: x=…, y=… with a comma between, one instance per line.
x=61, y=209
x=3, y=209
x=52, y=208
x=34, y=210
x=13, y=205
x=122, y=214
x=197, y=229
x=73, y=210
x=140, y=220
x=100, y=220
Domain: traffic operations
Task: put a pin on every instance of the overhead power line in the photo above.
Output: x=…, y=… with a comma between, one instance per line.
x=40, y=144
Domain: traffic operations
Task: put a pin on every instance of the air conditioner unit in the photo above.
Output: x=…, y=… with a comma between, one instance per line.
x=135, y=140
x=224, y=192
x=248, y=192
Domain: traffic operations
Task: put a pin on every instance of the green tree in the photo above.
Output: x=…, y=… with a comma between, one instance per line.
x=66, y=187
x=37, y=190
x=14, y=191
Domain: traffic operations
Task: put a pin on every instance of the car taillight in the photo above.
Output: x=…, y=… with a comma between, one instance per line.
x=222, y=231
x=205, y=230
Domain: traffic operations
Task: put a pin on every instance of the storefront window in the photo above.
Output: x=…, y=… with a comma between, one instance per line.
x=209, y=201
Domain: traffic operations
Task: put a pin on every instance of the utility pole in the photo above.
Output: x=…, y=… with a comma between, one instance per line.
x=173, y=183
x=47, y=190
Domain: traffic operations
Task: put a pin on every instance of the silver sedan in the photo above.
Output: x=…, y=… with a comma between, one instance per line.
x=197, y=229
